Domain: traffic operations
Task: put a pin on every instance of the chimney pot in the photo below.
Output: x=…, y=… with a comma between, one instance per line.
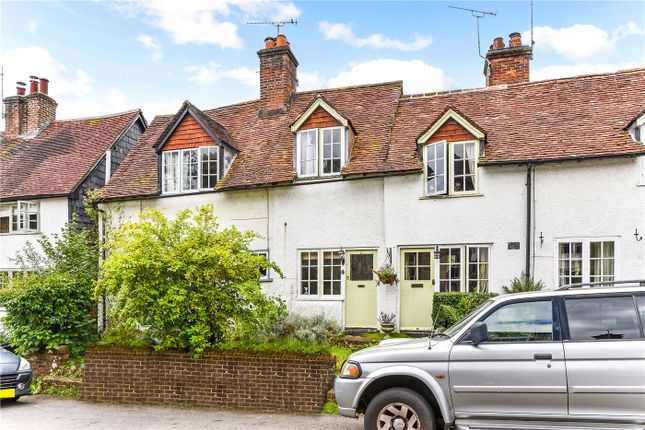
x=20, y=91
x=269, y=42
x=282, y=40
x=514, y=40
x=33, y=86
x=44, y=85
x=498, y=43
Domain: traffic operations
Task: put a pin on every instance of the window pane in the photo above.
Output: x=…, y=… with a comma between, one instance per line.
x=331, y=272
x=450, y=267
x=424, y=274
x=602, y=318
x=425, y=258
x=308, y=149
x=360, y=267
x=435, y=168
x=332, y=162
x=309, y=273
x=521, y=322
x=189, y=170
x=640, y=301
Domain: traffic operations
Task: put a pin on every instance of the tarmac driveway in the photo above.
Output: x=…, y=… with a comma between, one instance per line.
x=53, y=413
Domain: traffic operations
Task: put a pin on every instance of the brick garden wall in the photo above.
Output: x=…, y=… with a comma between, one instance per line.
x=43, y=363
x=240, y=380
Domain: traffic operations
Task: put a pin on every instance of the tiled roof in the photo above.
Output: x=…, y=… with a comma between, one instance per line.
x=266, y=143
x=55, y=161
x=572, y=118
x=559, y=119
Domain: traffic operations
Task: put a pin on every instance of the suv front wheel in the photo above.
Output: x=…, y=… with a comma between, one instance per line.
x=399, y=409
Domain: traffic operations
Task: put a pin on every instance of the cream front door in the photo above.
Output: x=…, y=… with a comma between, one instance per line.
x=360, y=289
x=417, y=286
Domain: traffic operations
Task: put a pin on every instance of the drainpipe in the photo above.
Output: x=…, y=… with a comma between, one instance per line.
x=529, y=211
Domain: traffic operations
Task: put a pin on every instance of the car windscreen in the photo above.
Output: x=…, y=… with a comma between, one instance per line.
x=461, y=324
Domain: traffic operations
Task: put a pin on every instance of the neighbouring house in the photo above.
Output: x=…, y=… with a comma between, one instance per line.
x=460, y=190
x=46, y=165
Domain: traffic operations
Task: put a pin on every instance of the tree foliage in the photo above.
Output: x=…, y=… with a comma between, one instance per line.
x=449, y=308
x=187, y=282
x=51, y=304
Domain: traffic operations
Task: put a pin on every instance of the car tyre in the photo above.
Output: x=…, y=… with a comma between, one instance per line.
x=399, y=409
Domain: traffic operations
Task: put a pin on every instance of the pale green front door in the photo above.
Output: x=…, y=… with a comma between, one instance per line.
x=360, y=289
x=416, y=287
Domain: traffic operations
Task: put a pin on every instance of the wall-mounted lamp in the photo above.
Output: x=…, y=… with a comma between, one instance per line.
x=637, y=236
x=341, y=255
x=541, y=237
x=437, y=253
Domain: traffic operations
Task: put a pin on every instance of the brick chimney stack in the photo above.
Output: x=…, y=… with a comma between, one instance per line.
x=29, y=113
x=508, y=64
x=278, y=76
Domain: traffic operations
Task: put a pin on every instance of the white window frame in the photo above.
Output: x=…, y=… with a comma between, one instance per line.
x=320, y=261
x=265, y=254
x=464, y=278
x=586, y=255
x=319, y=163
x=205, y=149
x=299, y=153
x=444, y=145
x=449, y=168
x=180, y=154
x=21, y=210
x=176, y=167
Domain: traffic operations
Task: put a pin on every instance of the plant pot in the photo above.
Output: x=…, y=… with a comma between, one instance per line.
x=387, y=328
x=387, y=280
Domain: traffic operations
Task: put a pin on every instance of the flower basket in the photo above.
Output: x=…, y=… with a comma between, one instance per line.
x=386, y=275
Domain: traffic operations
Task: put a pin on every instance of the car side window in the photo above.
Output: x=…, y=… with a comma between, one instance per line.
x=640, y=301
x=602, y=318
x=521, y=322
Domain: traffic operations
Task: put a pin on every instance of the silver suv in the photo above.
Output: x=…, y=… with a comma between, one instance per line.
x=572, y=358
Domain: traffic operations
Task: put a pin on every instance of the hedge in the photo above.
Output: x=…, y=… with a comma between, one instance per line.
x=449, y=308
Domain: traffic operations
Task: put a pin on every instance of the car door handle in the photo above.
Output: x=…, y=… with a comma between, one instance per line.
x=543, y=356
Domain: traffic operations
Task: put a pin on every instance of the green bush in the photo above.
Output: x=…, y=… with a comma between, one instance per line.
x=449, y=308
x=52, y=304
x=523, y=284
x=192, y=285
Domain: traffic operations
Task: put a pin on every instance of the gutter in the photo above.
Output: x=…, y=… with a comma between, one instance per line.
x=560, y=159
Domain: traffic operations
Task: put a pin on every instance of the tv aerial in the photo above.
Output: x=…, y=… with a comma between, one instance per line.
x=477, y=14
x=276, y=24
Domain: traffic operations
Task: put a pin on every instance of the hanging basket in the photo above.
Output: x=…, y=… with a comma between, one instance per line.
x=386, y=275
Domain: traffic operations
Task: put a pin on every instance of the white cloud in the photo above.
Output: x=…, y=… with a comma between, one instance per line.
x=581, y=42
x=310, y=80
x=151, y=44
x=205, y=22
x=417, y=76
x=32, y=26
x=344, y=33
x=212, y=73
x=564, y=71
x=20, y=63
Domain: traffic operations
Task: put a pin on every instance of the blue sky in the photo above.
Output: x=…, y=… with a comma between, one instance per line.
x=104, y=57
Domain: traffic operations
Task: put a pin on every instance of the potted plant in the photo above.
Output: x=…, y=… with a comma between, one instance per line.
x=386, y=275
x=387, y=321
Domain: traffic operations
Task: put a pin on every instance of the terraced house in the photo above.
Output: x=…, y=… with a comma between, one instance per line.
x=461, y=190
x=46, y=166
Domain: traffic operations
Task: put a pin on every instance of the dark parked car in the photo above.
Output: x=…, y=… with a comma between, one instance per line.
x=15, y=375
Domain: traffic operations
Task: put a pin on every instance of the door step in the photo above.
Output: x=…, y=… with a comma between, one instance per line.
x=541, y=425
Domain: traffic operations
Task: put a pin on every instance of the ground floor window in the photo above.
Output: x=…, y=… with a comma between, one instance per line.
x=265, y=272
x=586, y=260
x=20, y=217
x=320, y=273
x=464, y=268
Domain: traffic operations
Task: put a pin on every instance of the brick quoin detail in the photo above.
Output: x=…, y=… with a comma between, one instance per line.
x=320, y=118
x=188, y=134
x=452, y=131
x=246, y=381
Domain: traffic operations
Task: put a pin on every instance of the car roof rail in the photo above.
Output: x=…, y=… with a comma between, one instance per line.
x=629, y=283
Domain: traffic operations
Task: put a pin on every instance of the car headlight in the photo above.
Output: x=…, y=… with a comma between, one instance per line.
x=350, y=370
x=24, y=364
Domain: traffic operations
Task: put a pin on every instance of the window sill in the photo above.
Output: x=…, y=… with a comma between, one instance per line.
x=325, y=178
x=20, y=233
x=266, y=280
x=320, y=299
x=450, y=196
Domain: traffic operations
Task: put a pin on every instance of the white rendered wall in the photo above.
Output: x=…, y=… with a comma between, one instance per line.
x=591, y=199
x=53, y=216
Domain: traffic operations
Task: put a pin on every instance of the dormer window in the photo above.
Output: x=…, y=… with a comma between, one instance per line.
x=196, y=152
x=450, y=149
x=190, y=170
x=321, y=151
x=451, y=167
x=322, y=139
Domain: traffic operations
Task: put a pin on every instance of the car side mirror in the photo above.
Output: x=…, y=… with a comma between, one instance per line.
x=478, y=333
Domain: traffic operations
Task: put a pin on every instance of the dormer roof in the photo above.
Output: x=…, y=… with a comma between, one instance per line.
x=451, y=113
x=321, y=103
